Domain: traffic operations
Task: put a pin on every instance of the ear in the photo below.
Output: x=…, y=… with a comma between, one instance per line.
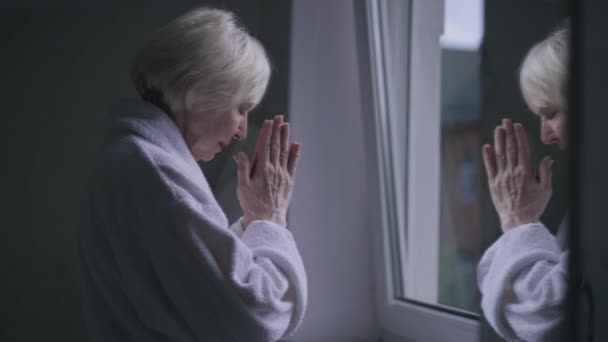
x=197, y=101
x=192, y=100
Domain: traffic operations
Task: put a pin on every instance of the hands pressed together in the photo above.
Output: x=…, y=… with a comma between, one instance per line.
x=519, y=194
x=265, y=184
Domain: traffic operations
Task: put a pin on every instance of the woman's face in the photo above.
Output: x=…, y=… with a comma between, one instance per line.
x=207, y=133
x=553, y=126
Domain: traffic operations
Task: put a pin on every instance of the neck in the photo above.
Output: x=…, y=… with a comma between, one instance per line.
x=155, y=97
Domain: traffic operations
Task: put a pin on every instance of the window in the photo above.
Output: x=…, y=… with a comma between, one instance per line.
x=426, y=106
x=460, y=226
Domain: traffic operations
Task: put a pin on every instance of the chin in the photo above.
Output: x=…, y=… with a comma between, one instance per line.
x=202, y=155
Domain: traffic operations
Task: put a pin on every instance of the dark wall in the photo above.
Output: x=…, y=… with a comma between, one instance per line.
x=62, y=67
x=590, y=255
x=511, y=28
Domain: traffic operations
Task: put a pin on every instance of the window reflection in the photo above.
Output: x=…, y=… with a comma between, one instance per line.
x=459, y=242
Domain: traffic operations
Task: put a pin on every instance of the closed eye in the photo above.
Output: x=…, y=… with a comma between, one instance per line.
x=548, y=113
x=245, y=108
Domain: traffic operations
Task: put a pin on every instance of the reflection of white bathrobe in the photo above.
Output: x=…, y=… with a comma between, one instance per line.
x=159, y=261
x=522, y=278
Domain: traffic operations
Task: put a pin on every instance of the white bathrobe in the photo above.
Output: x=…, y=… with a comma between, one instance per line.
x=523, y=282
x=159, y=261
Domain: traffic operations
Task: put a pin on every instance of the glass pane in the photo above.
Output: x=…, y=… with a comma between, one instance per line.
x=460, y=229
x=433, y=124
x=428, y=124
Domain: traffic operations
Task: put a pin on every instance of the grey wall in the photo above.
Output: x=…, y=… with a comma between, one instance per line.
x=63, y=63
x=329, y=214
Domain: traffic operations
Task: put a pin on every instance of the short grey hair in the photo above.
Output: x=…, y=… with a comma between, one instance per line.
x=203, y=58
x=543, y=76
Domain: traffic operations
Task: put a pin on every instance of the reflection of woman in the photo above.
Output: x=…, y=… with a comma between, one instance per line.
x=522, y=276
x=159, y=260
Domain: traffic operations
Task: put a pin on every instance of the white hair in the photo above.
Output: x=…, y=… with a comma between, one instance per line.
x=543, y=76
x=204, y=59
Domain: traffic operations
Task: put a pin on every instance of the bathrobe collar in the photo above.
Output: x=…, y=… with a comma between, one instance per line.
x=149, y=122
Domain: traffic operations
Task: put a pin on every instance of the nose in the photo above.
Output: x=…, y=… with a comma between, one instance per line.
x=547, y=134
x=241, y=133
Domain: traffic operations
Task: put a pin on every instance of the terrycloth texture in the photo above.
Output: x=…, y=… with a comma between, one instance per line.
x=522, y=278
x=158, y=258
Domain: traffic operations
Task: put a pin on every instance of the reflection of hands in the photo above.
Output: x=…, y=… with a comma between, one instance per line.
x=518, y=195
x=265, y=185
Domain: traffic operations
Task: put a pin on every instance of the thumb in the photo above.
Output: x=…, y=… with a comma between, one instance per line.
x=545, y=173
x=242, y=164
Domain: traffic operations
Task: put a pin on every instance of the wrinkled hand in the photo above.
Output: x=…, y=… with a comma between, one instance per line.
x=265, y=185
x=519, y=195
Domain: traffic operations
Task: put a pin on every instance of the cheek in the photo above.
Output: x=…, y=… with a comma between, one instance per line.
x=550, y=127
x=231, y=126
x=561, y=128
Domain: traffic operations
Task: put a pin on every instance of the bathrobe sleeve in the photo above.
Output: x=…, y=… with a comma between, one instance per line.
x=522, y=278
x=249, y=283
x=237, y=228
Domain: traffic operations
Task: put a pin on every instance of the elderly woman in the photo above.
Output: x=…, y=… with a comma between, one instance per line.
x=159, y=261
x=522, y=276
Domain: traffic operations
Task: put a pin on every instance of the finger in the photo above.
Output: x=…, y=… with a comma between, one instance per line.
x=275, y=139
x=499, y=148
x=254, y=164
x=264, y=153
x=259, y=145
x=242, y=172
x=284, y=145
x=545, y=173
x=524, y=157
x=294, y=156
x=489, y=161
x=510, y=144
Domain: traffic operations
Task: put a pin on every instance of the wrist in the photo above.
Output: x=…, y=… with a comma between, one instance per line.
x=276, y=218
x=245, y=222
x=281, y=221
x=508, y=223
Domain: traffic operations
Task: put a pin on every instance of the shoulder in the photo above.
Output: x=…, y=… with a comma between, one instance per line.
x=128, y=164
x=124, y=155
x=151, y=169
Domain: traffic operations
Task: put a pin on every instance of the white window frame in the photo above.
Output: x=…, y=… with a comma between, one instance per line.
x=417, y=194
